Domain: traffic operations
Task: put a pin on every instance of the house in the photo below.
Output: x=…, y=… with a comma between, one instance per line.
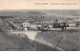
x=26, y=24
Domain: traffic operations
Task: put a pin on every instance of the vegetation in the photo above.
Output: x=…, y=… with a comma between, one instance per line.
x=67, y=40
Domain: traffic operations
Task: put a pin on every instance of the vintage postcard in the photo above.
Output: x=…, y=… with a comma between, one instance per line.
x=39, y=25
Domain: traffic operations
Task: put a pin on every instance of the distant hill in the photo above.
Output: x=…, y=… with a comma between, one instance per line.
x=51, y=14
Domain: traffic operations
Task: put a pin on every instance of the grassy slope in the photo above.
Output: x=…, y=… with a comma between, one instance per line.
x=67, y=40
x=14, y=43
x=20, y=42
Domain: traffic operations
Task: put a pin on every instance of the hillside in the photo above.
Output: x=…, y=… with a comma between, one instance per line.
x=24, y=13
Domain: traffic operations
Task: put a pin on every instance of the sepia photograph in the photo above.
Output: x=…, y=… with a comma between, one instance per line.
x=39, y=30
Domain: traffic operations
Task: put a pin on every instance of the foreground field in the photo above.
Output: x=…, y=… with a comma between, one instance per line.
x=21, y=42
x=67, y=40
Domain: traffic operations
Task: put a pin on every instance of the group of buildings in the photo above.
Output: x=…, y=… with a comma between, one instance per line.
x=71, y=21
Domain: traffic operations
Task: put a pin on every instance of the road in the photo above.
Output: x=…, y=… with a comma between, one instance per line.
x=13, y=26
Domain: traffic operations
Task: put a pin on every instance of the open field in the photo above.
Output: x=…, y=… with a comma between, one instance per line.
x=21, y=42
x=67, y=40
